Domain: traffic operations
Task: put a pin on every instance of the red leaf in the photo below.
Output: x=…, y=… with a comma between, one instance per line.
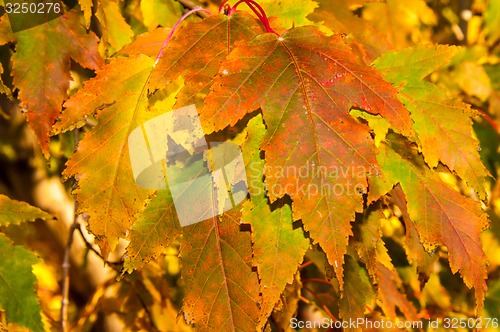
x=41, y=68
x=305, y=84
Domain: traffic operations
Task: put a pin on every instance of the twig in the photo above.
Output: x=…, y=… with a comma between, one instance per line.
x=305, y=300
x=320, y=303
x=145, y=306
x=66, y=266
x=91, y=305
x=191, y=5
x=66, y=261
x=306, y=264
x=488, y=118
x=89, y=246
x=321, y=281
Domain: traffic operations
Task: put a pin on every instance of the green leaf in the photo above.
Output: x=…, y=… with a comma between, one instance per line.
x=443, y=125
x=278, y=247
x=17, y=286
x=15, y=212
x=414, y=63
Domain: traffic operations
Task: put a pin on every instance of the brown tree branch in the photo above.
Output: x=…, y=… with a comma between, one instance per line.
x=191, y=5
x=66, y=266
x=67, y=255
